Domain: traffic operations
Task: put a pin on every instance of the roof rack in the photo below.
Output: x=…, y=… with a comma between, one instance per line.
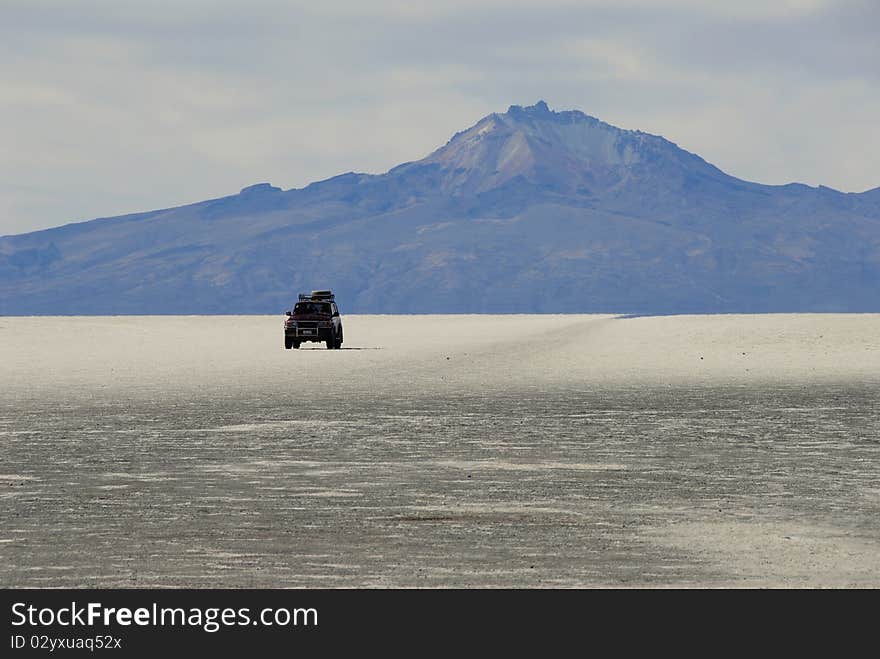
x=317, y=296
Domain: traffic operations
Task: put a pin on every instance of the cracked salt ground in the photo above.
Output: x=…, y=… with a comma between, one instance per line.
x=612, y=457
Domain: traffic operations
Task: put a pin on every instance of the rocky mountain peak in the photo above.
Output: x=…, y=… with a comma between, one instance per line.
x=259, y=188
x=557, y=150
x=538, y=110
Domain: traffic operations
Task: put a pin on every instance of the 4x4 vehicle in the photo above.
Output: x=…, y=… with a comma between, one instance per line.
x=315, y=317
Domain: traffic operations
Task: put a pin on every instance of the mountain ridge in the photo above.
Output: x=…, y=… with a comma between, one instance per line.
x=539, y=210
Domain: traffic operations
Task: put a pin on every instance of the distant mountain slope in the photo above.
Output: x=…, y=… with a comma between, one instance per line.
x=526, y=211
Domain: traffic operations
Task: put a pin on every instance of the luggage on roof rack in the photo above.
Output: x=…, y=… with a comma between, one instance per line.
x=315, y=296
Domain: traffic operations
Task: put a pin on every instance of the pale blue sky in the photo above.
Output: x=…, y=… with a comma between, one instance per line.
x=108, y=107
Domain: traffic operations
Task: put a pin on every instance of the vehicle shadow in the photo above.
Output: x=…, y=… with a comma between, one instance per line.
x=342, y=348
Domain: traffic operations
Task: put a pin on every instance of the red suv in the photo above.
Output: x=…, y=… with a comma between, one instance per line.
x=315, y=317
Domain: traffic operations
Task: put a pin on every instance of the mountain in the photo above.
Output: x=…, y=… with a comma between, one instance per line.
x=527, y=211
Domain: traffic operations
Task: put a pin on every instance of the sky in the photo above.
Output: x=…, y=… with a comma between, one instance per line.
x=113, y=107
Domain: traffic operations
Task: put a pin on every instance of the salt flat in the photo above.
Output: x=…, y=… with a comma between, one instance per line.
x=525, y=451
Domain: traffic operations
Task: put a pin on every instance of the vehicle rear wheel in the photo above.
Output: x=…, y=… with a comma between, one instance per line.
x=288, y=343
x=331, y=342
x=339, y=340
x=296, y=345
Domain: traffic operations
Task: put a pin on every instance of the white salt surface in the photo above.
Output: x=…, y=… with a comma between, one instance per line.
x=421, y=353
x=462, y=451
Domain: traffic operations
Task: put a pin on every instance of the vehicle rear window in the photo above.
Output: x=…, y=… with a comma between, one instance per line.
x=312, y=307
